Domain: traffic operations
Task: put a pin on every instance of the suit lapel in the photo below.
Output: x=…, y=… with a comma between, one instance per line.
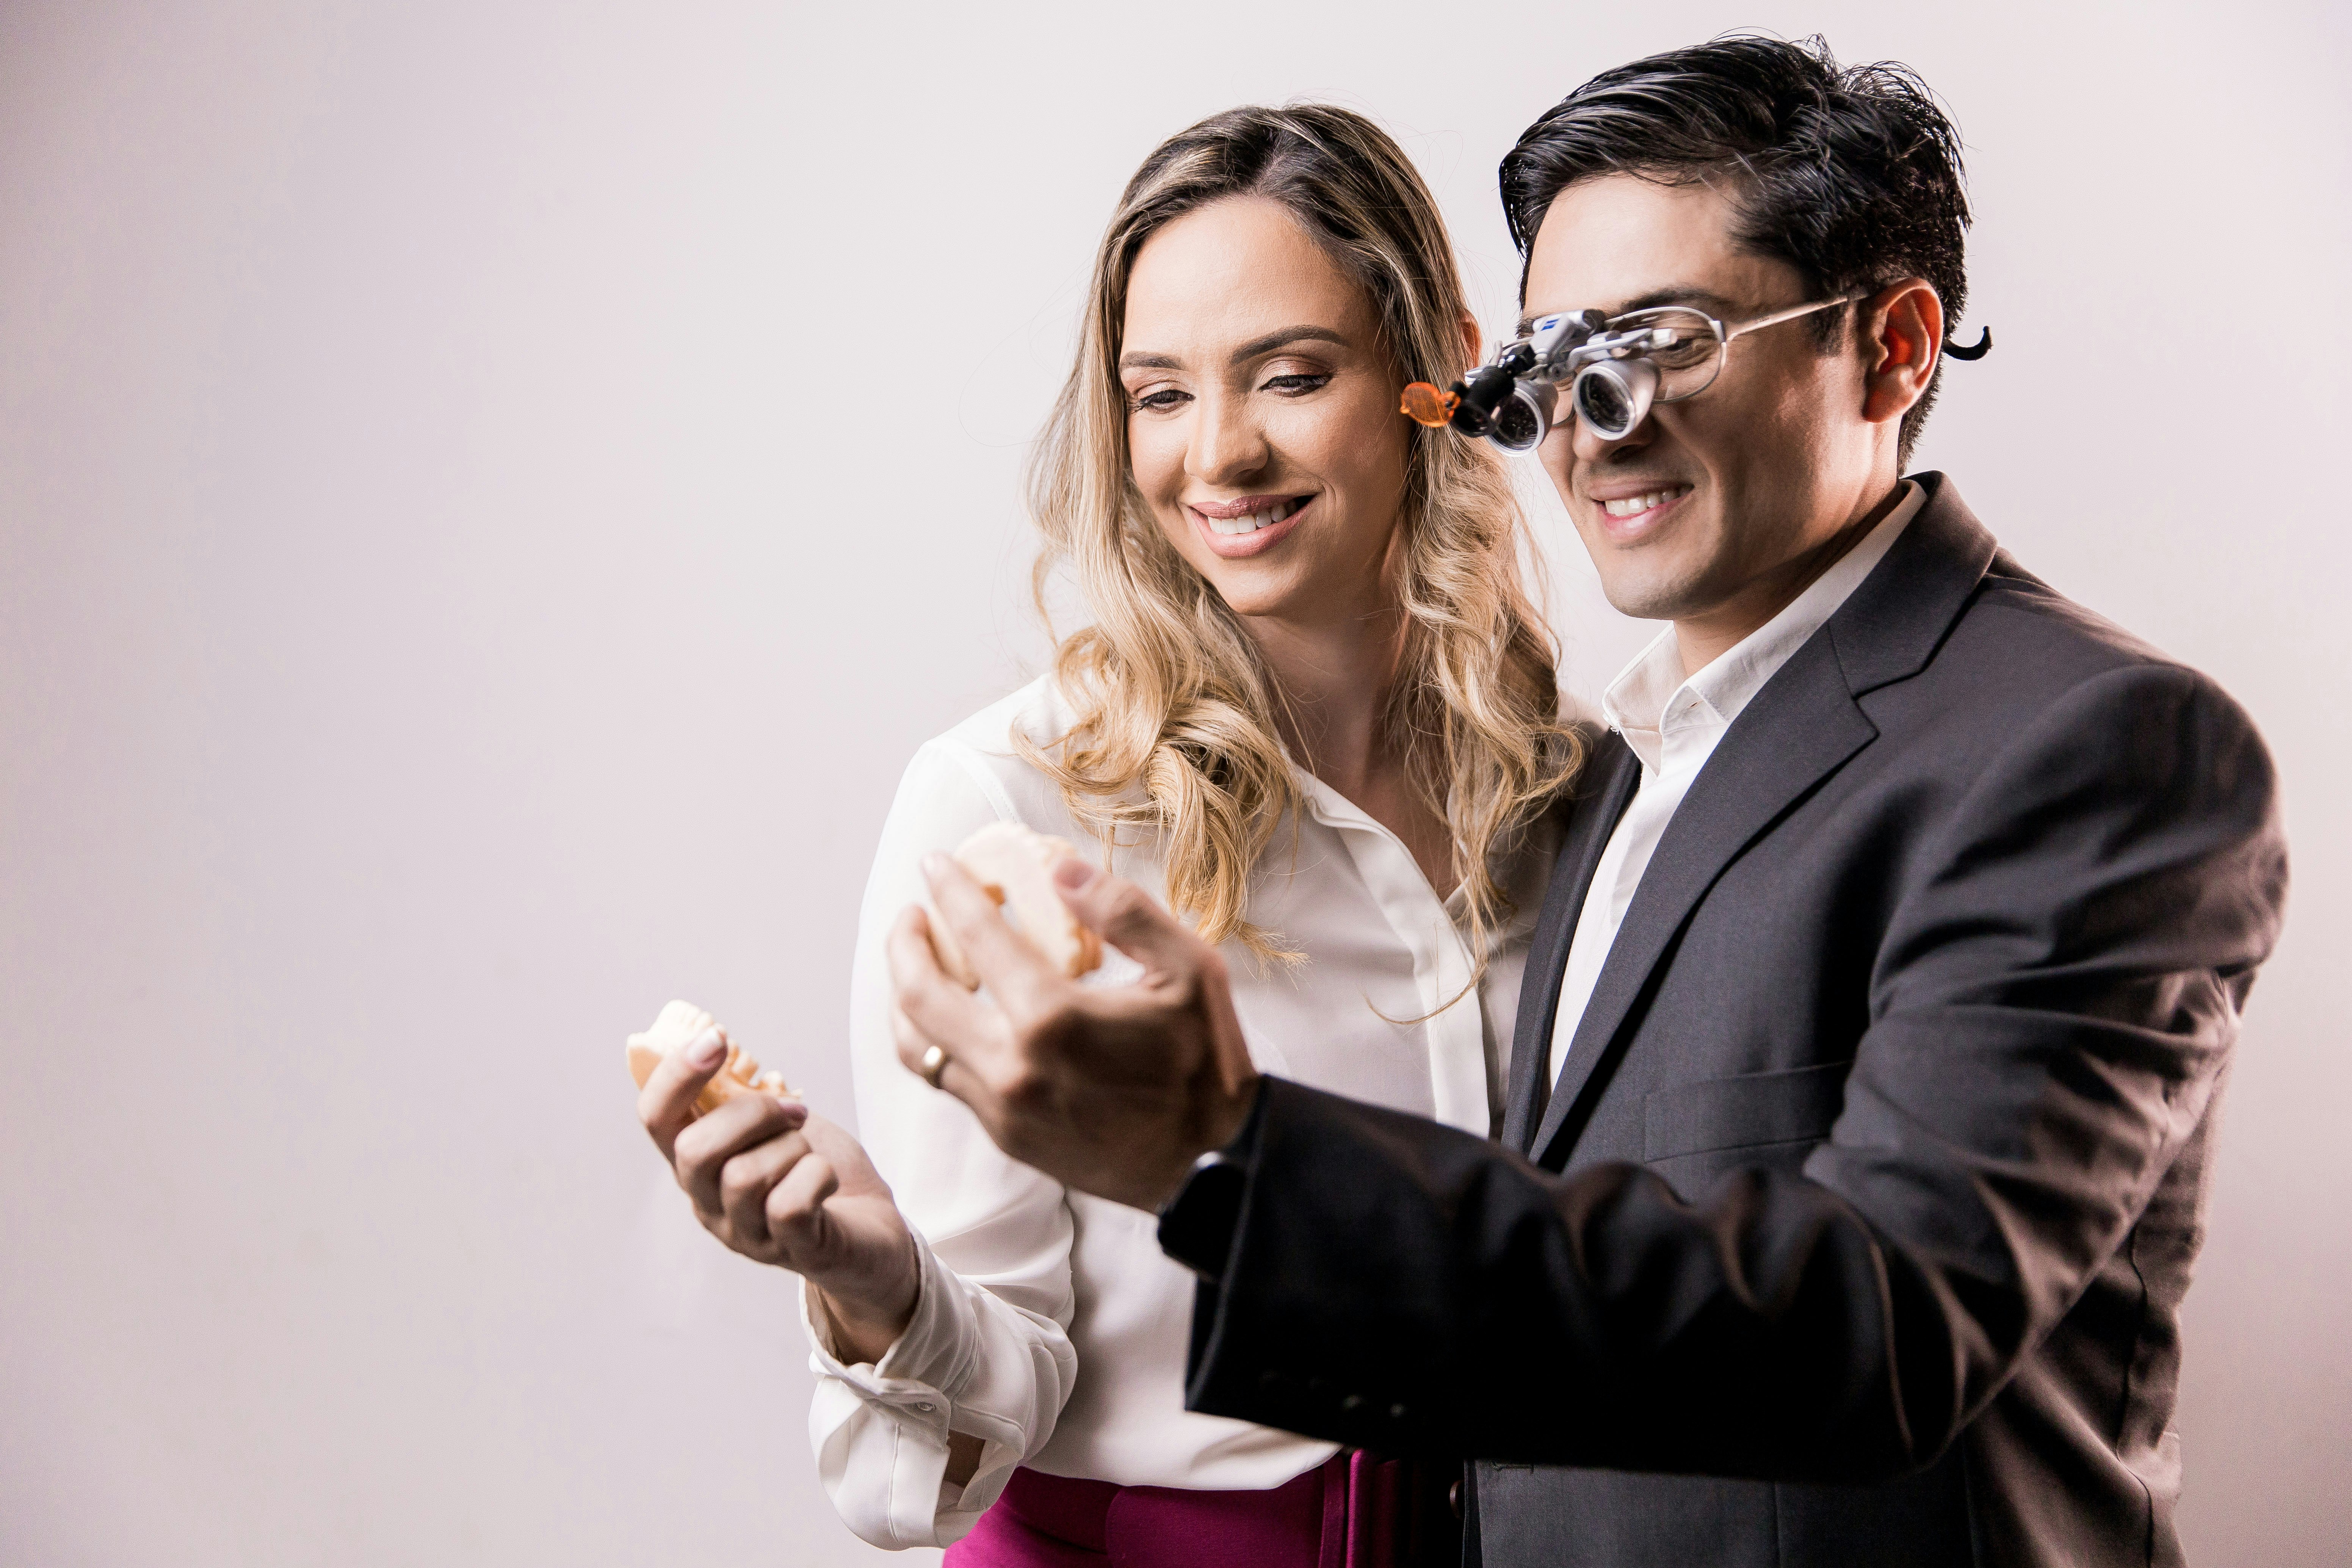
x=1795, y=732
x=1801, y=727
x=1601, y=797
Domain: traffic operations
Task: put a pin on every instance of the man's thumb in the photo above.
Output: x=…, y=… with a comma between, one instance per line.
x=1124, y=914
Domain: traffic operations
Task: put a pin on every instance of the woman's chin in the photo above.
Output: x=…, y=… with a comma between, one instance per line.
x=1252, y=595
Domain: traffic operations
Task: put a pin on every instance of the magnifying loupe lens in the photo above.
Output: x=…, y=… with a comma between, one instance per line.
x=1523, y=419
x=1613, y=396
x=1482, y=390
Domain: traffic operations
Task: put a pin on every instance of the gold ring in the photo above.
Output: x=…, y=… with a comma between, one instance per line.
x=935, y=1062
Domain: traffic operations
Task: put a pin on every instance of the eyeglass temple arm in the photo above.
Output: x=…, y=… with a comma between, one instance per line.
x=1790, y=314
x=1978, y=350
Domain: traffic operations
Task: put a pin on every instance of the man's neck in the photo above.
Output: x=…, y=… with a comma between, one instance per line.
x=1703, y=638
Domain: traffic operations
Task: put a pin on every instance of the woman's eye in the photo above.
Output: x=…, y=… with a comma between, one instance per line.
x=1299, y=384
x=1166, y=398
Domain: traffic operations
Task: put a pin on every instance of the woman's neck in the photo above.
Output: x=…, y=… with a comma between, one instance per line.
x=1333, y=679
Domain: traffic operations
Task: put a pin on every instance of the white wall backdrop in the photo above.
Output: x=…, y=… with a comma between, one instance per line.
x=491, y=494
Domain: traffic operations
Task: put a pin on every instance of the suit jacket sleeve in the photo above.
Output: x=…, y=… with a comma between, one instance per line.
x=2053, y=1004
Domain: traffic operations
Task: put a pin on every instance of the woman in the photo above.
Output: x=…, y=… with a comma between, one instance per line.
x=1315, y=712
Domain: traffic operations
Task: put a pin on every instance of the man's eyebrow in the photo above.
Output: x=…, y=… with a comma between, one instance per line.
x=1706, y=299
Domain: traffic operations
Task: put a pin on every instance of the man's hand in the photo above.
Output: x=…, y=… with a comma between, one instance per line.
x=781, y=1187
x=1114, y=1090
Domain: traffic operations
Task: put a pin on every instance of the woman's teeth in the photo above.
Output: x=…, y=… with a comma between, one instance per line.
x=1253, y=521
x=1635, y=506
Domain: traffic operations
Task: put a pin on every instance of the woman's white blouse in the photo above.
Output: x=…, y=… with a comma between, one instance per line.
x=1049, y=1324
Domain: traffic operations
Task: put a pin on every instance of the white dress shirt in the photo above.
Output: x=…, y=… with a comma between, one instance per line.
x=1672, y=724
x=1048, y=1323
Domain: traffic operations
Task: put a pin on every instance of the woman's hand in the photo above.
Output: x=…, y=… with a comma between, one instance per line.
x=782, y=1187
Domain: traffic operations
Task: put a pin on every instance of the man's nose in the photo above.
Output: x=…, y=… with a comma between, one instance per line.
x=1227, y=445
x=1591, y=448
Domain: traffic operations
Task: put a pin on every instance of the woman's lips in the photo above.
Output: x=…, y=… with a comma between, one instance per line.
x=1624, y=518
x=1240, y=546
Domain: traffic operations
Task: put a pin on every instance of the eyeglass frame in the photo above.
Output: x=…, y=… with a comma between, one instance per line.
x=1525, y=371
x=1550, y=366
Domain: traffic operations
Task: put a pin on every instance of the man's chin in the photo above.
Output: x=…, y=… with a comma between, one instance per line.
x=1650, y=580
x=1644, y=598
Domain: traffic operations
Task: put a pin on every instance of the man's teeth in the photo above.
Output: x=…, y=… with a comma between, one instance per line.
x=1254, y=521
x=1635, y=506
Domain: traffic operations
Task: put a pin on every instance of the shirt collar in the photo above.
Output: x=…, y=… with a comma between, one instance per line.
x=1647, y=698
x=1334, y=810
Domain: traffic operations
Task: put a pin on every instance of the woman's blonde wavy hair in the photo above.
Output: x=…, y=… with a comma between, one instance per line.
x=1176, y=738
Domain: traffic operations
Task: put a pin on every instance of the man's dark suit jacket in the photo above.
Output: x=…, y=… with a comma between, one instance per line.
x=1884, y=1134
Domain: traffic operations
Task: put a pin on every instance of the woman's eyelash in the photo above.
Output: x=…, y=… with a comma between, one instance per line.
x=1295, y=383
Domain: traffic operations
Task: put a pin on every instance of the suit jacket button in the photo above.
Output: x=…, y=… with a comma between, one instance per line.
x=1396, y=1412
x=1352, y=1404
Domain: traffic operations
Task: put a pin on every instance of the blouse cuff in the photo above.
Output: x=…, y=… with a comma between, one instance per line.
x=930, y=1357
x=897, y=1494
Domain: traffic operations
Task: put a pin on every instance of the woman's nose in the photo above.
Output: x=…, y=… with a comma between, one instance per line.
x=1227, y=445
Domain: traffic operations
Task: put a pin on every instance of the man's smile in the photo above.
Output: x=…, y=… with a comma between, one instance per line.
x=1630, y=508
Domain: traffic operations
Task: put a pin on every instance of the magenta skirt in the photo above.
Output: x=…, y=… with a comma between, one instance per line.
x=1356, y=1510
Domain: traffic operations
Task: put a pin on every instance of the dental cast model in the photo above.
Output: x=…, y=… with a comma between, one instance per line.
x=1015, y=866
x=678, y=1027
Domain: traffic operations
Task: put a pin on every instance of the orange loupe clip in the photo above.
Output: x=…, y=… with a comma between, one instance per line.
x=1424, y=404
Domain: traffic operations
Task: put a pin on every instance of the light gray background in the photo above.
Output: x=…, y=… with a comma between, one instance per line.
x=491, y=494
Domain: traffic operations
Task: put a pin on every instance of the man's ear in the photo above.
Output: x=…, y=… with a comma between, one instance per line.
x=1471, y=340
x=1901, y=333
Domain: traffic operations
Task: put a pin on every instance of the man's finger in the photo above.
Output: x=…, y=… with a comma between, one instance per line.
x=954, y=1078
x=1007, y=965
x=666, y=1104
x=1127, y=917
x=931, y=1008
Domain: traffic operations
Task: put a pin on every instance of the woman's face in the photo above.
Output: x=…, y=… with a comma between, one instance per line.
x=1263, y=422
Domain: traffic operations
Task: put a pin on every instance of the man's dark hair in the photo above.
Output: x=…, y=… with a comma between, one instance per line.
x=1852, y=175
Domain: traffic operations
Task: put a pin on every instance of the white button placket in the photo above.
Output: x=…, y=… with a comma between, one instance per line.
x=1441, y=959
x=1457, y=1040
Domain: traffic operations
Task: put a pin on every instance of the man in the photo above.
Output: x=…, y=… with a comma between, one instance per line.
x=1866, y=1076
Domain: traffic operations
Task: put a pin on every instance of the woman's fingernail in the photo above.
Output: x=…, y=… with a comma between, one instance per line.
x=934, y=863
x=708, y=1048
x=1075, y=874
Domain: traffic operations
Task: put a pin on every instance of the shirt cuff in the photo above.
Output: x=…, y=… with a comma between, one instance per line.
x=924, y=1366
x=1197, y=1224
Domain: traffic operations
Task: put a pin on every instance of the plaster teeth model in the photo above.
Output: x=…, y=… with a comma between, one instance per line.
x=1015, y=866
x=679, y=1025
